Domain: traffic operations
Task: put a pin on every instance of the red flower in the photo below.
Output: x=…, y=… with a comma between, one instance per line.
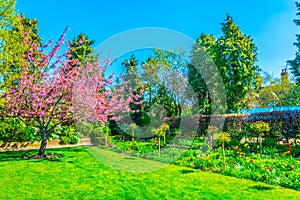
x=268, y=168
x=251, y=160
x=290, y=149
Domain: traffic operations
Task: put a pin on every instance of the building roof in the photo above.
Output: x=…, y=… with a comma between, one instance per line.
x=270, y=109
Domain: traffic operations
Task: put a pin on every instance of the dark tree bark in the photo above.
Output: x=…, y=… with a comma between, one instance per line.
x=43, y=143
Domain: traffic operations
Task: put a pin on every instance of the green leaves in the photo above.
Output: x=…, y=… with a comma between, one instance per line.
x=81, y=49
x=235, y=55
x=13, y=32
x=259, y=127
x=161, y=131
x=278, y=93
x=294, y=64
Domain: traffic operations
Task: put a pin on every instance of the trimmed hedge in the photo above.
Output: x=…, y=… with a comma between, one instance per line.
x=283, y=124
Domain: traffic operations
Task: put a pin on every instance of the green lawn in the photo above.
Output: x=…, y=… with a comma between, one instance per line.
x=80, y=175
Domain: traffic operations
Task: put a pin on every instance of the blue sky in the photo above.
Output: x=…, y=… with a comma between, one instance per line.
x=268, y=22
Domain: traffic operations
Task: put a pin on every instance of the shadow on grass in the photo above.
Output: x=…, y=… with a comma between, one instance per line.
x=260, y=187
x=45, y=160
x=187, y=171
x=129, y=158
x=68, y=149
x=22, y=154
x=15, y=155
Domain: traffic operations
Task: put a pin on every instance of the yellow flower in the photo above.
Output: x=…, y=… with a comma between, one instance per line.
x=224, y=137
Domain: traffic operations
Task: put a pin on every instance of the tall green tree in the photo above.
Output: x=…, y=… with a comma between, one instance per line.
x=8, y=15
x=157, y=76
x=295, y=64
x=8, y=19
x=206, y=43
x=14, y=28
x=236, y=57
x=131, y=75
x=81, y=49
x=133, y=81
x=234, y=54
x=12, y=47
x=160, y=73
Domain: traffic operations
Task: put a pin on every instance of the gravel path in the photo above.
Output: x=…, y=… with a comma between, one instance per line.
x=82, y=142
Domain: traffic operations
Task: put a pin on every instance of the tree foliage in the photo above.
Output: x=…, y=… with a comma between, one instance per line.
x=295, y=64
x=162, y=77
x=12, y=48
x=234, y=54
x=59, y=92
x=8, y=15
x=80, y=48
x=205, y=43
x=276, y=92
x=161, y=131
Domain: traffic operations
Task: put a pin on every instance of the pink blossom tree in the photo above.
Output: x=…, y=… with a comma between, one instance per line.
x=51, y=91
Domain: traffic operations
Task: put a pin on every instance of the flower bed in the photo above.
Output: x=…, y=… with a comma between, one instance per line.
x=282, y=170
x=276, y=166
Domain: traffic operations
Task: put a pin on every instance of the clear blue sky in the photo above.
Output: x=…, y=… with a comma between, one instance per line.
x=268, y=22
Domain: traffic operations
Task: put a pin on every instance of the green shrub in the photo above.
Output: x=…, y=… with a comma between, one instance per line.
x=74, y=140
x=270, y=142
x=85, y=128
x=65, y=140
x=14, y=130
x=68, y=135
x=235, y=142
x=100, y=135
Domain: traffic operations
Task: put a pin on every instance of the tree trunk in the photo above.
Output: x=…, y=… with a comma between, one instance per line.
x=132, y=135
x=158, y=146
x=43, y=143
x=261, y=147
x=223, y=152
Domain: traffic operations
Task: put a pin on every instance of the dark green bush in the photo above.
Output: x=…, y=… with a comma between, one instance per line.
x=14, y=130
x=270, y=142
x=283, y=124
x=68, y=135
x=98, y=136
x=64, y=140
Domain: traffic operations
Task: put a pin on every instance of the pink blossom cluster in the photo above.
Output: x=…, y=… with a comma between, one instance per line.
x=95, y=98
x=51, y=90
